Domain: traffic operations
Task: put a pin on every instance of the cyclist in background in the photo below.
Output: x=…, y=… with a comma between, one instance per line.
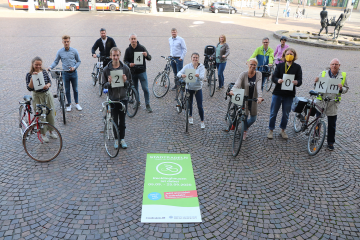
x=104, y=44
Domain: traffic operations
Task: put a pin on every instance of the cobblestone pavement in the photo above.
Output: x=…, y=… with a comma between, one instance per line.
x=272, y=190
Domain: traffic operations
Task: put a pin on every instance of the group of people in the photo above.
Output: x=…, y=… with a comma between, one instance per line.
x=252, y=80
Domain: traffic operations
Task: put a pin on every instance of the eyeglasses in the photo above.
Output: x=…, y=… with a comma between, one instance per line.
x=334, y=64
x=252, y=64
x=265, y=42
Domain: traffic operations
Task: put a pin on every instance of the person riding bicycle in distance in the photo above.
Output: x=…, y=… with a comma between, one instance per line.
x=117, y=93
x=104, y=44
x=264, y=56
x=332, y=108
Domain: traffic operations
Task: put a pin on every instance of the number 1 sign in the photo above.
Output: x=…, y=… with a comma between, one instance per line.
x=38, y=81
x=117, y=78
x=238, y=97
x=138, y=58
x=190, y=75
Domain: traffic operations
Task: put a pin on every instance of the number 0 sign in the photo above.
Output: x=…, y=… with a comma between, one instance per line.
x=38, y=81
x=117, y=78
x=190, y=75
x=288, y=82
x=238, y=97
x=138, y=58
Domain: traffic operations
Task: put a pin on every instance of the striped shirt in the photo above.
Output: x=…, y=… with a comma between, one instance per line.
x=46, y=80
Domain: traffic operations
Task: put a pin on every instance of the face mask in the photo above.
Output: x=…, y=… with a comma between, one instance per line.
x=289, y=58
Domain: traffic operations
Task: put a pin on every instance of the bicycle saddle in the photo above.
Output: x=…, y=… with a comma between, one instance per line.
x=27, y=98
x=313, y=93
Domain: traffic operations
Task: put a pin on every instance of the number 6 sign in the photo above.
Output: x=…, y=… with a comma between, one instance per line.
x=138, y=58
x=38, y=81
x=117, y=78
x=238, y=97
x=190, y=75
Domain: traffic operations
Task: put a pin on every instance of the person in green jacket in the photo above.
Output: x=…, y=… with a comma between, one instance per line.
x=265, y=56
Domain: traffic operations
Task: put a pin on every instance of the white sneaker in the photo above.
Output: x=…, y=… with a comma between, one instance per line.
x=53, y=136
x=68, y=108
x=45, y=139
x=191, y=120
x=202, y=125
x=78, y=107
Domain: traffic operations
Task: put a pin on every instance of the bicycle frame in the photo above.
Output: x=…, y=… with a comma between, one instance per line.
x=310, y=108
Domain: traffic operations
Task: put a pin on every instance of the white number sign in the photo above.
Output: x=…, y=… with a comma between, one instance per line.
x=138, y=58
x=322, y=84
x=333, y=85
x=238, y=97
x=38, y=81
x=190, y=75
x=117, y=78
x=288, y=82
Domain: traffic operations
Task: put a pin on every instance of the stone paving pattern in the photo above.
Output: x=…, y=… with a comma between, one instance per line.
x=272, y=190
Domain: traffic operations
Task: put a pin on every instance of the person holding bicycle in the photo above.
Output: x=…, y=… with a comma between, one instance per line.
x=280, y=49
x=195, y=88
x=104, y=44
x=138, y=70
x=251, y=82
x=281, y=97
x=332, y=108
x=221, y=53
x=177, y=51
x=70, y=60
x=42, y=96
x=265, y=56
x=117, y=93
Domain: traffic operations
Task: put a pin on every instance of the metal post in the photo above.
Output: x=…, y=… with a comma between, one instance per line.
x=14, y=7
x=254, y=13
x=277, y=16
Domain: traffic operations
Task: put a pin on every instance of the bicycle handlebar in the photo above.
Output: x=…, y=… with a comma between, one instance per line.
x=40, y=107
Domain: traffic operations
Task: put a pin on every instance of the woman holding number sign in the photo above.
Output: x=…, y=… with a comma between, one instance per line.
x=250, y=81
x=286, y=77
x=195, y=88
x=38, y=82
x=115, y=77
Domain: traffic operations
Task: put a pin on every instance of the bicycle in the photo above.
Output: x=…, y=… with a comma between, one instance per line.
x=110, y=128
x=56, y=73
x=161, y=83
x=132, y=95
x=236, y=117
x=183, y=101
x=210, y=74
x=318, y=130
x=32, y=129
x=97, y=72
x=268, y=72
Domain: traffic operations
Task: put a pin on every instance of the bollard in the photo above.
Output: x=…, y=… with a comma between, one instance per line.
x=174, y=9
x=254, y=13
x=229, y=11
x=14, y=7
x=44, y=8
x=133, y=8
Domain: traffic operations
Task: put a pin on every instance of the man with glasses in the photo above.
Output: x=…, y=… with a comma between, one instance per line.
x=280, y=49
x=331, y=110
x=177, y=51
x=265, y=56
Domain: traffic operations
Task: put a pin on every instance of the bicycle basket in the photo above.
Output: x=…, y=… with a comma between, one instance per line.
x=209, y=50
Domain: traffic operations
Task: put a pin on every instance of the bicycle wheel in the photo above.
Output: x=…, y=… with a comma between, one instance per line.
x=187, y=110
x=62, y=105
x=238, y=137
x=100, y=89
x=93, y=75
x=161, y=85
x=133, y=104
x=23, y=119
x=316, y=137
x=110, y=130
x=268, y=84
x=37, y=148
x=179, y=98
x=298, y=122
x=230, y=115
x=212, y=83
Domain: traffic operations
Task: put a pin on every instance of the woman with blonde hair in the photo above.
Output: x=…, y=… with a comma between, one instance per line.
x=221, y=53
x=41, y=96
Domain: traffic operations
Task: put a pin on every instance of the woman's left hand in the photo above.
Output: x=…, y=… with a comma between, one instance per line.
x=260, y=100
x=223, y=56
x=46, y=86
x=197, y=75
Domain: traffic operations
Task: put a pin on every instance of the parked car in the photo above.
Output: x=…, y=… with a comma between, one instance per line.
x=193, y=4
x=271, y=4
x=169, y=6
x=222, y=7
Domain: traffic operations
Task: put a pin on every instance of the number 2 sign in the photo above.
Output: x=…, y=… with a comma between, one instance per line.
x=138, y=58
x=238, y=97
x=117, y=78
x=38, y=81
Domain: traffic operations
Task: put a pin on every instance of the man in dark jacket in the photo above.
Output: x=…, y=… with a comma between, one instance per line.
x=104, y=44
x=134, y=57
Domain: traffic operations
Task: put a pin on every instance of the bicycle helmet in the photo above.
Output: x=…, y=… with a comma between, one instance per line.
x=283, y=38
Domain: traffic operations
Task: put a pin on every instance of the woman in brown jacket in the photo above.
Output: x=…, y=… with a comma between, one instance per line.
x=251, y=82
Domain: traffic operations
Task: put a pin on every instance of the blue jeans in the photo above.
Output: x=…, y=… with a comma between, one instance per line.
x=199, y=100
x=177, y=67
x=249, y=122
x=221, y=68
x=276, y=101
x=71, y=77
x=144, y=85
x=263, y=76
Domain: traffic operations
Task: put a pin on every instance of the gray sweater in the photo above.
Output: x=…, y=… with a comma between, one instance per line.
x=199, y=70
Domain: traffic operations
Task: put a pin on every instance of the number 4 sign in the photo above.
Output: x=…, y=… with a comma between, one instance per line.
x=38, y=81
x=117, y=78
x=238, y=97
x=190, y=75
x=138, y=58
